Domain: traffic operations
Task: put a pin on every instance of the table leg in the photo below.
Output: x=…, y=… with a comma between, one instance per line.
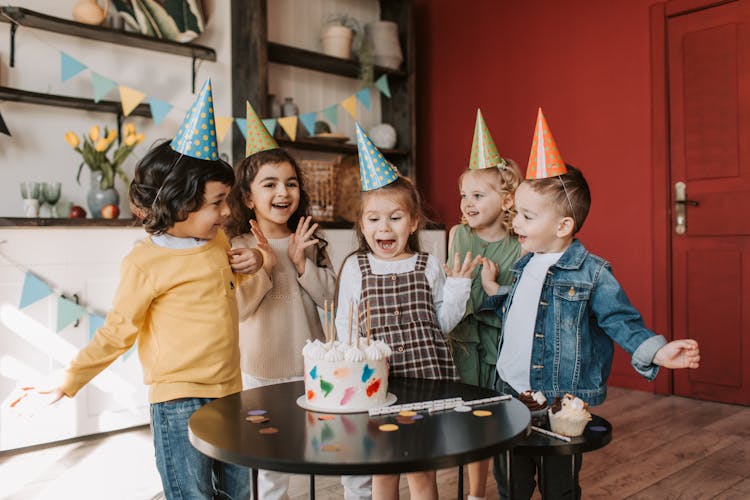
x=312, y=487
x=509, y=473
x=460, y=494
x=254, y=483
x=574, y=475
x=542, y=475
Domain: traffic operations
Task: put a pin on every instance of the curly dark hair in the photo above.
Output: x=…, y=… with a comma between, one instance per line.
x=167, y=186
x=245, y=172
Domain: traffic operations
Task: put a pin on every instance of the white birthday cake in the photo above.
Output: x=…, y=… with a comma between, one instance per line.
x=345, y=378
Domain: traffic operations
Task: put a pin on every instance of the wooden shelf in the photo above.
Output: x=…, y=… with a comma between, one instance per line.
x=307, y=59
x=114, y=107
x=310, y=144
x=30, y=19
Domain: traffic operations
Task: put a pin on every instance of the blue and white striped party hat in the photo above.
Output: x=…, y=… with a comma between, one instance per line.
x=197, y=135
x=374, y=170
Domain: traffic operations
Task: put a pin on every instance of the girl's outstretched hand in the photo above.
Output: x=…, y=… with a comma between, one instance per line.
x=462, y=269
x=679, y=354
x=300, y=240
x=29, y=400
x=270, y=255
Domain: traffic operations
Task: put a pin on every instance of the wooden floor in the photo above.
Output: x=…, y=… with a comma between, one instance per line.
x=662, y=447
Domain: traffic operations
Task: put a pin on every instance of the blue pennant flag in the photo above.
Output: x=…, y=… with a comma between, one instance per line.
x=242, y=124
x=332, y=113
x=95, y=322
x=308, y=120
x=270, y=124
x=159, y=109
x=364, y=97
x=69, y=67
x=34, y=289
x=67, y=312
x=382, y=85
x=102, y=86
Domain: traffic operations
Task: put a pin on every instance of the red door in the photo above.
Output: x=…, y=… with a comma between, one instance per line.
x=708, y=60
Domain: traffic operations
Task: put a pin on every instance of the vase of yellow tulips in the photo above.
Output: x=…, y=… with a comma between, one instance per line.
x=94, y=149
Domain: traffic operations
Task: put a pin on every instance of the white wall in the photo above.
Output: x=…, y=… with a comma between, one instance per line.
x=37, y=151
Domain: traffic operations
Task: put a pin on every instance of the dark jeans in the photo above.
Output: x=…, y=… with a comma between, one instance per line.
x=556, y=483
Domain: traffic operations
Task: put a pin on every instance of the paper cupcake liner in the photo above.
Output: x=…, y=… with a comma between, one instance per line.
x=567, y=426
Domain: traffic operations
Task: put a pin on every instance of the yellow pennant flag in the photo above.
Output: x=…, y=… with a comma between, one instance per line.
x=350, y=105
x=130, y=99
x=222, y=126
x=289, y=124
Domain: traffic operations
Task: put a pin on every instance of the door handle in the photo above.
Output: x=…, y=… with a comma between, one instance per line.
x=680, y=204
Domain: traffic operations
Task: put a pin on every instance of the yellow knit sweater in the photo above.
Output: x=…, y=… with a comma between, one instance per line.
x=180, y=306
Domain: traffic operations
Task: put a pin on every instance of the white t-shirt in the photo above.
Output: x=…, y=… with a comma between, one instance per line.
x=514, y=361
x=448, y=294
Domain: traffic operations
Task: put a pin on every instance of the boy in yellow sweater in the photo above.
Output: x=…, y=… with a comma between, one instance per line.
x=176, y=298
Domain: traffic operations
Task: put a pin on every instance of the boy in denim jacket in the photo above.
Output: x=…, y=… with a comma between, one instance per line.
x=562, y=314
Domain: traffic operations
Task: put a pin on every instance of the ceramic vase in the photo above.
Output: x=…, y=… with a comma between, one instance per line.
x=90, y=12
x=337, y=41
x=98, y=198
x=382, y=37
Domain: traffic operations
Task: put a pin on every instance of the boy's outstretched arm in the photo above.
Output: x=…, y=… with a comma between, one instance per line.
x=679, y=354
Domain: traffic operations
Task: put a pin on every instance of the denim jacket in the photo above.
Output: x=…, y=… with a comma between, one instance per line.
x=582, y=310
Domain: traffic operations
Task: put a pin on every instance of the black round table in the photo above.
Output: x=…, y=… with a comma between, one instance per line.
x=597, y=434
x=352, y=444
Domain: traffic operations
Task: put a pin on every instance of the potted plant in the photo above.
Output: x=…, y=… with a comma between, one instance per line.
x=94, y=148
x=339, y=34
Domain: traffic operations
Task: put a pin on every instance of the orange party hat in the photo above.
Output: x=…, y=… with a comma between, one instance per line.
x=258, y=138
x=545, y=160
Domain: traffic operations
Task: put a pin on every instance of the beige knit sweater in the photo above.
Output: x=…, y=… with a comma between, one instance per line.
x=279, y=314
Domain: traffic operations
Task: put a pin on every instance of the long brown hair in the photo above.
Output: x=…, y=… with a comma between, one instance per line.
x=244, y=173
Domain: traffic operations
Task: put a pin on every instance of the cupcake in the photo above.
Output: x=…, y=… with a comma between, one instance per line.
x=536, y=403
x=568, y=416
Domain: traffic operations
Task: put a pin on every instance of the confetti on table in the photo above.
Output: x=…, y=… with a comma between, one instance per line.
x=257, y=412
x=268, y=430
x=417, y=417
x=598, y=428
x=329, y=447
x=388, y=427
x=407, y=413
x=405, y=420
x=462, y=408
x=326, y=417
x=482, y=413
x=257, y=419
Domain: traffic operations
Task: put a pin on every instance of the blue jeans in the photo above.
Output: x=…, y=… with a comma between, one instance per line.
x=186, y=473
x=556, y=482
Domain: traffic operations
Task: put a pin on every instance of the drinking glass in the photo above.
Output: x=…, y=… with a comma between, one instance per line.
x=30, y=192
x=51, y=194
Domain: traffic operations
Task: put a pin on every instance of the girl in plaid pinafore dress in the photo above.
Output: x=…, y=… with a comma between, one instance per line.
x=412, y=303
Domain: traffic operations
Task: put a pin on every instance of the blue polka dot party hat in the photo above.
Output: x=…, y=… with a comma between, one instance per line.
x=374, y=170
x=197, y=135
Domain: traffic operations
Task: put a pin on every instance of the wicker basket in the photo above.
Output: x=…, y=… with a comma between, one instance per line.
x=320, y=186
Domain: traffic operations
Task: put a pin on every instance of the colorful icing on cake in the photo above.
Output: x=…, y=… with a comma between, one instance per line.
x=345, y=378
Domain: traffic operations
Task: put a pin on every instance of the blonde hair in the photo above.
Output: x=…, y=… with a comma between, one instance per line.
x=504, y=179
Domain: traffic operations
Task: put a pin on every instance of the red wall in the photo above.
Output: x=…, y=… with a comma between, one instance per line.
x=586, y=63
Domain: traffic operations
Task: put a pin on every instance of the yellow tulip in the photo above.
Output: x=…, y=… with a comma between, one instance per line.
x=101, y=145
x=130, y=140
x=111, y=135
x=72, y=139
x=129, y=129
x=94, y=133
x=140, y=138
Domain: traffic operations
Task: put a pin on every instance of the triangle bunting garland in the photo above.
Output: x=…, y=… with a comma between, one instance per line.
x=289, y=124
x=67, y=312
x=95, y=322
x=242, y=125
x=130, y=98
x=222, y=126
x=102, y=86
x=34, y=289
x=270, y=124
x=382, y=85
x=350, y=105
x=159, y=109
x=332, y=113
x=364, y=97
x=308, y=120
x=69, y=67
